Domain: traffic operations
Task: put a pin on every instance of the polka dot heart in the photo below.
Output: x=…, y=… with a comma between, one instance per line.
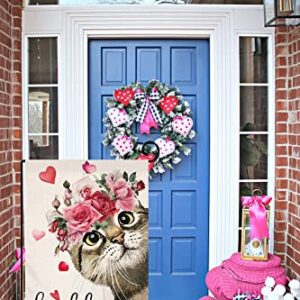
x=165, y=147
x=123, y=144
x=117, y=116
x=182, y=125
x=168, y=104
x=124, y=96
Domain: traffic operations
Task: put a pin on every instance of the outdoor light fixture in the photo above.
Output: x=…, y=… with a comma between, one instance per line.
x=282, y=12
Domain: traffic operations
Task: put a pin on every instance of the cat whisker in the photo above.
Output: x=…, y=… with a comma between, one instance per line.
x=112, y=280
x=115, y=277
x=124, y=276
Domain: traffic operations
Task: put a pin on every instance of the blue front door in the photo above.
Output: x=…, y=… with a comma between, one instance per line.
x=179, y=199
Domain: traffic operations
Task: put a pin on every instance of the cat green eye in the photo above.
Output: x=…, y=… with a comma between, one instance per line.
x=92, y=238
x=125, y=218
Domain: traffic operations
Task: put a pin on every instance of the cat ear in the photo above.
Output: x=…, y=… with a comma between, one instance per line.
x=141, y=207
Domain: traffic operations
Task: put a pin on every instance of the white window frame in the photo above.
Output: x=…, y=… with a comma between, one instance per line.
x=26, y=86
x=270, y=181
x=221, y=24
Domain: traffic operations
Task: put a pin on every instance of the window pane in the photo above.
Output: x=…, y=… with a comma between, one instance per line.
x=253, y=60
x=43, y=147
x=254, y=108
x=253, y=156
x=43, y=110
x=42, y=60
x=42, y=2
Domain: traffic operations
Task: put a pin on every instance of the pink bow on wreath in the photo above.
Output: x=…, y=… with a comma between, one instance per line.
x=258, y=215
x=20, y=255
x=148, y=114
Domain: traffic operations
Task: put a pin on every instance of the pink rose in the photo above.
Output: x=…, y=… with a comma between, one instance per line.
x=86, y=192
x=80, y=217
x=123, y=193
x=84, y=187
x=103, y=204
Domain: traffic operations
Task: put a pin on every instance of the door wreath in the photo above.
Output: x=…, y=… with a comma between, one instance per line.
x=157, y=106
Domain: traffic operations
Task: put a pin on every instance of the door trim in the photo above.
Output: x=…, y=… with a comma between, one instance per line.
x=220, y=24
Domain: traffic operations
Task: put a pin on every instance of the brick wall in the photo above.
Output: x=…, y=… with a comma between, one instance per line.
x=10, y=140
x=287, y=207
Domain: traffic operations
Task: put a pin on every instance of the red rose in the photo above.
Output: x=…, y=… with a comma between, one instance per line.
x=53, y=226
x=138, y=186
x=103, y=204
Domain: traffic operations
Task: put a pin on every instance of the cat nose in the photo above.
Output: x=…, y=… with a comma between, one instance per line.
x=118, y=239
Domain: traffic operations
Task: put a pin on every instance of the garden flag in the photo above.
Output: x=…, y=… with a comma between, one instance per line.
x=86, y=230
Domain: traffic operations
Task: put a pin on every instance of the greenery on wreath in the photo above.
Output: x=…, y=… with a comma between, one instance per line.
x=155, y=105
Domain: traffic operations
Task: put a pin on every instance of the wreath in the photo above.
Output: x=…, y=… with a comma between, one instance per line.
x=155, y=105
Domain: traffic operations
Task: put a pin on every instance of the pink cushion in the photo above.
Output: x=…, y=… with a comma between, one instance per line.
x=248, y=276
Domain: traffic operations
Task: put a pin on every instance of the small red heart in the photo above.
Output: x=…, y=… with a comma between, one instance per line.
x=63, y=266
x=49, y=175
x=168, y=104
x=55, y=295
x=124, y=96
x=148, y=157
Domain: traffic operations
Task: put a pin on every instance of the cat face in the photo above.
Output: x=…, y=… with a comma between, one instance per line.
x=117, y=255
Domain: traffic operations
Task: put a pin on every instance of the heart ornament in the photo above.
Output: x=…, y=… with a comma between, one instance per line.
x=49, y=175
x=38, y=234
x=123, y=144
x=168, y=104
x=63, y=266
x=55, y=295
x=182, y=125
x=124, y=96
x=150, y=157
x=117, y=116
x=166, y=147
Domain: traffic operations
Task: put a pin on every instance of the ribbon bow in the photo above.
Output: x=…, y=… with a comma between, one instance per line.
x=20, y=255
x=148, y=114
x=258, y=215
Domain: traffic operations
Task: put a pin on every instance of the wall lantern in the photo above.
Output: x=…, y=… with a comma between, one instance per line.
x=282, y=12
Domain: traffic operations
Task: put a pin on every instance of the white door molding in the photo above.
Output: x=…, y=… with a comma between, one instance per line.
x=217, y=23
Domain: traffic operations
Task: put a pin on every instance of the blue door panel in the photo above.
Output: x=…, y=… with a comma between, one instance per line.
x=178, y=199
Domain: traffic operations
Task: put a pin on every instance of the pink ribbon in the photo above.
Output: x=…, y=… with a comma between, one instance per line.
x=148, y=122
x=258, y=215
x=20, y=260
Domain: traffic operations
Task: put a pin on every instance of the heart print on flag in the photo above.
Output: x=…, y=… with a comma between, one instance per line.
x=166, y=147
x=123, y=144
x=182, y=125
x=117, y=116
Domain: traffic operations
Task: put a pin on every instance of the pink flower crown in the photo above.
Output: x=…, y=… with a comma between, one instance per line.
x=89, y=203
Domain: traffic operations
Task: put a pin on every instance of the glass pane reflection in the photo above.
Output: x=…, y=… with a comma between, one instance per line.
x=253, y=156
x=43, y=110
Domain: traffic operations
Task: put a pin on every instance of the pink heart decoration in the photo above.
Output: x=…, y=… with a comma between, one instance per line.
x=165, y=147
x=182, y=125
x=38, y=234
x=117, y=116
x=123, y=144
x=55, y=295
x=63, y=266
x=49, y=175
x=89, y=168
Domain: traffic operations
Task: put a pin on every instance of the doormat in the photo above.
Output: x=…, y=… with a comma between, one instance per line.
x=86, y=229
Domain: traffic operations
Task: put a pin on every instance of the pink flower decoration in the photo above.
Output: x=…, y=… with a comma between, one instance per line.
x=80, y=217
x=103, y=204
x=124, y=195
x=89, y=168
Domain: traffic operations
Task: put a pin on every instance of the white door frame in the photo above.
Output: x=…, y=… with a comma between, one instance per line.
x=220, y=24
